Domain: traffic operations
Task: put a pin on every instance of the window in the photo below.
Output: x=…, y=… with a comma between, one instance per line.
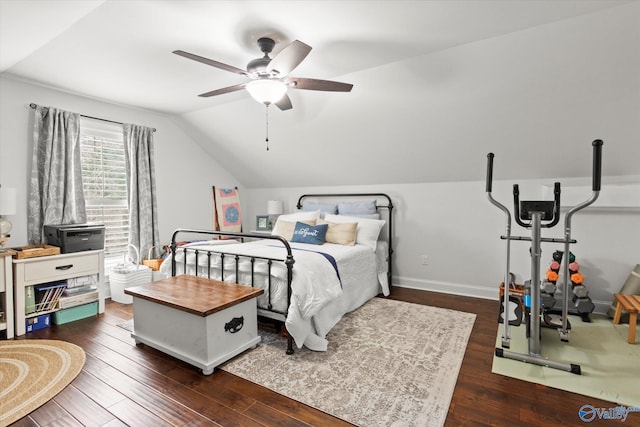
x=104, y=184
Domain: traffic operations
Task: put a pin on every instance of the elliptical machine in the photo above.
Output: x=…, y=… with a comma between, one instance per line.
x=536, y=215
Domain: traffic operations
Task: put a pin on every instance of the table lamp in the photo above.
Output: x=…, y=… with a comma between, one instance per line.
x=8, y=202
x=274, y=208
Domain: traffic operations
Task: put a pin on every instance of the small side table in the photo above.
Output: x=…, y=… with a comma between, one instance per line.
x=631, y=304
x=201, y=321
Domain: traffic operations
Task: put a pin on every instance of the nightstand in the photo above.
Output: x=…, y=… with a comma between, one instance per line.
x=6, y=293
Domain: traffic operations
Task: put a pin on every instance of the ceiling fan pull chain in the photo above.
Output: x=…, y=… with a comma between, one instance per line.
x=267, y=125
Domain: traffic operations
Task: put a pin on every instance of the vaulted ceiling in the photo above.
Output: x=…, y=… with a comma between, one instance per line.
x=437, y=84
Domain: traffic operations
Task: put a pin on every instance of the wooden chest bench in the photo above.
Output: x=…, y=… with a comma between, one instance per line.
x=201, y=321
x=631, y=304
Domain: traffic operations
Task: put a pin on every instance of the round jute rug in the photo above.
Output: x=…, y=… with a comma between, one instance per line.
x=34, y=371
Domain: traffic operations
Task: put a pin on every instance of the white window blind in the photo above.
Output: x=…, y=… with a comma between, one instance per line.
x=104, y=184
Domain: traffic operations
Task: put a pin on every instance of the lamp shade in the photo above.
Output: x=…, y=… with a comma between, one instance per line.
x=266, y=91
x=8, y=201
x=274, y=207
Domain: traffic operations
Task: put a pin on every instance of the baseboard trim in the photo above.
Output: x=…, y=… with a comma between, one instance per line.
x=446, y=287
x=601, y=307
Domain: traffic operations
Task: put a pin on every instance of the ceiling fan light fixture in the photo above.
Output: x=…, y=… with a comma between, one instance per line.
x=266, y=91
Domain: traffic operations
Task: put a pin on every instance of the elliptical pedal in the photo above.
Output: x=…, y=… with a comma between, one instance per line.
x=553, y=321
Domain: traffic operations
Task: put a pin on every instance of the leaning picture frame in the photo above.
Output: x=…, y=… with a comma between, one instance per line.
x=262, y=222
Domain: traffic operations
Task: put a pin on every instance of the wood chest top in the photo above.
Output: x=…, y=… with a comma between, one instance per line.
x=196, y=295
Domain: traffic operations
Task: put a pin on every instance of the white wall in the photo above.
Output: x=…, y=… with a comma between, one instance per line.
x=184, y=172
x=458, y=229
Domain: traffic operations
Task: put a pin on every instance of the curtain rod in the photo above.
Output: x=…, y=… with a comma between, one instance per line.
x=33, y=106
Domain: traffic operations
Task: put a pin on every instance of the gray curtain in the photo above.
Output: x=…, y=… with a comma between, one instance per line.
x=141, y=186
x=55, y=194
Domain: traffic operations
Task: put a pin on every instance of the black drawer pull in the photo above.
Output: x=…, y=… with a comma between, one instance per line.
x=64, y=267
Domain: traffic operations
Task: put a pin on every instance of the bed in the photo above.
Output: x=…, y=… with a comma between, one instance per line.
x=319, y=263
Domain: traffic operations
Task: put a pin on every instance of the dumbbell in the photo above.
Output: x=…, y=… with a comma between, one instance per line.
x=580, y=291
x=576, y=279
x=583, y=305
x=574, y=267
x=552, y=276
x=547, y=301
x=548, y=288
x=557, y=256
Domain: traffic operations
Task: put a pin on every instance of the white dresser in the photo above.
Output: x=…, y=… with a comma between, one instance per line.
x=39, y=270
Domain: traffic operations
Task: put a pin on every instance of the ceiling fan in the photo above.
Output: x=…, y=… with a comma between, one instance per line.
x=269, y=77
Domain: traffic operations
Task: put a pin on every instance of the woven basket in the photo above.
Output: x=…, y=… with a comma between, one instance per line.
x=152, y=263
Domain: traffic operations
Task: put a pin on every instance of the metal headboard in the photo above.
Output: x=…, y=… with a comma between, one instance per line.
x=388, y=206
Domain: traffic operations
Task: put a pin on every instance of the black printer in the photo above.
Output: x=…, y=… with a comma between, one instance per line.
x=75, y=237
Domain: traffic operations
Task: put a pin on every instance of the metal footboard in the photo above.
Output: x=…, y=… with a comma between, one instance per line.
x=211, y=254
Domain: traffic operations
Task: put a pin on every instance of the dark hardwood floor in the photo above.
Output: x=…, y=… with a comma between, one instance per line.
x=122, y=384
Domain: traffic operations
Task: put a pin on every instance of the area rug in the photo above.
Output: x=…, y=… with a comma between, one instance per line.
x=608, y=363
x=32, y=372
x=389, y=363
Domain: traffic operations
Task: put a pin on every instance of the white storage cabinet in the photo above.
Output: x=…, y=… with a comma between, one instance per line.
x=39, y=270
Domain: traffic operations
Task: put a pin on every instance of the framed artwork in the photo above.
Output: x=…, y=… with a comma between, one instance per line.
x=262, y=222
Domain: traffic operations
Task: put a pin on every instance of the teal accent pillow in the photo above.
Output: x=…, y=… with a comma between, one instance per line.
x=313, y=234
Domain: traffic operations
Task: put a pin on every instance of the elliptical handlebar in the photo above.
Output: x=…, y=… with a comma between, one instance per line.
x=507, y=231
x=556, y=207
x=556, y=204
x=516, y=205
x=596, y=182
x=596, y=174
x=490, y=157
x=489, y=185
x=597, y=164
x=596, y=185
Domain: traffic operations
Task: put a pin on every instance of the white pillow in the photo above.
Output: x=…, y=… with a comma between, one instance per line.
x=368, y=229
x=370, y=216
x=297, y=216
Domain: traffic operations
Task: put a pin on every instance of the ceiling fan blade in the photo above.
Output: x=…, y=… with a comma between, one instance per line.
x=284, y=103
x=289, y=58
x=210, y=62
x=315, y=84
x=227, y=89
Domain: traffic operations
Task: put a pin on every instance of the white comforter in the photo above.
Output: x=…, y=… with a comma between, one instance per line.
x=319, y=298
